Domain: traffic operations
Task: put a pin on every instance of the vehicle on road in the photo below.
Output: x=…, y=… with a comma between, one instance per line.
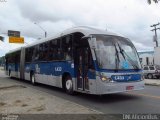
x=151, y=71
x=80, y=59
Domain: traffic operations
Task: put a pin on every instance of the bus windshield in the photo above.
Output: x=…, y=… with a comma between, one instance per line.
x=114, y=52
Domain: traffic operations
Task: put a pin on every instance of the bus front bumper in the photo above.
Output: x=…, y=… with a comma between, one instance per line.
x=117, y=87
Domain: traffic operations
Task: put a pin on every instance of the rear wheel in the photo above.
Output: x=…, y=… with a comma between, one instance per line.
x=150, y=76
x=9, y=73
x=32, y=77
x=69, y=85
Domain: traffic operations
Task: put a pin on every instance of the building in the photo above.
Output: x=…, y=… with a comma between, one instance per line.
x=157, y=56
x=146, y=57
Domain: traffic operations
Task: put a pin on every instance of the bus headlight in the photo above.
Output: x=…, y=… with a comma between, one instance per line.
x=104, y=78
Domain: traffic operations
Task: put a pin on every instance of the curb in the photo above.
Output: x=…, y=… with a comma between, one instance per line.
x=152, y=84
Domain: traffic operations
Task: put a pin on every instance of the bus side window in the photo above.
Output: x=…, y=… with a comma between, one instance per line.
x=54, y=50
x=35, y=56
x=27, y=55
x=41, y=52
x=67, y=47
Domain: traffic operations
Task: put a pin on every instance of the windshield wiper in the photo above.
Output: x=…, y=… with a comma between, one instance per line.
x=121, y=51
x=129, y=59
x=117, y=60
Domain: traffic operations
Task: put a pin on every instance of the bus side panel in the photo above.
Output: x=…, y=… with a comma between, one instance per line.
x=49, y=72
x=92, y=81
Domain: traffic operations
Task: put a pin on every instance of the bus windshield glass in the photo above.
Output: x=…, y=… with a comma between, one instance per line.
x=114, y=52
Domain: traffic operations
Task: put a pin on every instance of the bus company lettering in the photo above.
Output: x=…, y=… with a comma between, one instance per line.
x=58, y=68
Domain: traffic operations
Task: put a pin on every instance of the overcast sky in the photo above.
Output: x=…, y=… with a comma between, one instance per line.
x=131, y=18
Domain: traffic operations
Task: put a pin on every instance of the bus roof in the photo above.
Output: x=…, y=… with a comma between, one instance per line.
x=15, y=50
x=86, y=31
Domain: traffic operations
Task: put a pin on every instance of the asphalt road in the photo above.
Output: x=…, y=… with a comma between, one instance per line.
x=144, y=101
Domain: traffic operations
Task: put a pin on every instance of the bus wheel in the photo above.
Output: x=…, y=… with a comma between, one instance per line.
x=33, y=79
x=69, y=85
x=10, y=73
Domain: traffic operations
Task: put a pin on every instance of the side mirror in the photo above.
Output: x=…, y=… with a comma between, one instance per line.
x=93, y=43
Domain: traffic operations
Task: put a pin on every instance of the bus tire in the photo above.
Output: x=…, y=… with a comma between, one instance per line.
x=32, y=78
x=9, y=73
x=69, y=85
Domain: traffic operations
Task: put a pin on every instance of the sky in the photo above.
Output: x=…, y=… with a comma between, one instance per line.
x=131, y=18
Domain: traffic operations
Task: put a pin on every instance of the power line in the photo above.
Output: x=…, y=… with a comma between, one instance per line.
x=45, y=32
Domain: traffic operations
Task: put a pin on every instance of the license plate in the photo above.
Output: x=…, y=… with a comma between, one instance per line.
x=129, y=87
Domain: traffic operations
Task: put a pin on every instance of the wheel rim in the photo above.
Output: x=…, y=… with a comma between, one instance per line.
x=33, y=80
x=69, y=84
x=9, y=73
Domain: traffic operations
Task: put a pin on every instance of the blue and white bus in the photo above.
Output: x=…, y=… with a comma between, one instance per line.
x=81, y=59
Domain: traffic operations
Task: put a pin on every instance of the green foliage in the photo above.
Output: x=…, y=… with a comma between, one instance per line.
x=1, y=38
x=2, y=60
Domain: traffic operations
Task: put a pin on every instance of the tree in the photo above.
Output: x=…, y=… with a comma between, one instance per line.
x=2, y=61
x=1, y=38
x=150, y=1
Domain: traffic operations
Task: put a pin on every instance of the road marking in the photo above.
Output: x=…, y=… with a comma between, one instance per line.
x=157, y=97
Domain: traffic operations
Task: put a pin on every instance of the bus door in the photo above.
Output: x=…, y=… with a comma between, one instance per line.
x=82, y=68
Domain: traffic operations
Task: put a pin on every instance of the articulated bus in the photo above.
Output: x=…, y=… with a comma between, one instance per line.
x=81, y=59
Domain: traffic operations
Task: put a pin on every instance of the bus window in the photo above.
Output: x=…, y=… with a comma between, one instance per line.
x=54, y=52
x=67, y=47
x=41, y=52
x=17, y=57
x=35, y=56
x=29, y=53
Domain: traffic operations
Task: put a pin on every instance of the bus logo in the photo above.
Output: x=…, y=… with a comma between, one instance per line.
x=58, y=68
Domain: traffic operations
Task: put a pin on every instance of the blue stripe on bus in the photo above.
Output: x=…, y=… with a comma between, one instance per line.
x=126, y=78
x=58, y=68
x=55, y=68
x=50, y=68
x=13, y=66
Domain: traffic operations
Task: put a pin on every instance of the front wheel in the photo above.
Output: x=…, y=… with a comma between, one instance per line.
x=69, y=85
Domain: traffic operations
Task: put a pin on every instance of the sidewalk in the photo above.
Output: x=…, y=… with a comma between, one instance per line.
x=16, y=97
x=1, y=68
x=154, y=82
x=2, y=72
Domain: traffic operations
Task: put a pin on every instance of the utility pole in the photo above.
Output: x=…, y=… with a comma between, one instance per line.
x=155, y=30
